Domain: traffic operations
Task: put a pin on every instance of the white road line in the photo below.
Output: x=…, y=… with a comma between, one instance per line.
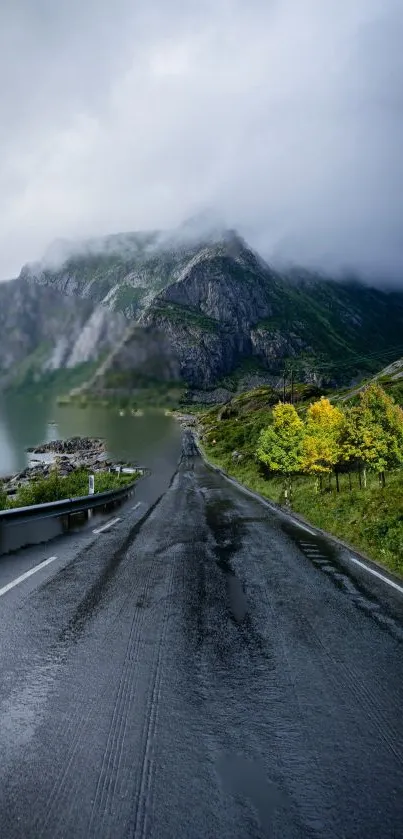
x=136, y=506
x=307, y=529
x=106, y=526
x=302, y=526
x=376, y=574
x=27, y=574
x=311, y=554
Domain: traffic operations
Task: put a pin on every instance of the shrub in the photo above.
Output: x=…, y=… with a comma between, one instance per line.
x=56, y=487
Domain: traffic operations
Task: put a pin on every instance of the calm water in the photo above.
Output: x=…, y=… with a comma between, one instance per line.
x=150, y=440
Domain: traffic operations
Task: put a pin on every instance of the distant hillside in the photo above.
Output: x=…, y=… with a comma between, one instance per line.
x=391, y=379
x=226, y=317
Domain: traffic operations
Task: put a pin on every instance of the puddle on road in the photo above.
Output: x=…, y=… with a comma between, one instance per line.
x=324, y=558
x=228, y=532
x=247, y=779
x=22, y=711
x=237, y=599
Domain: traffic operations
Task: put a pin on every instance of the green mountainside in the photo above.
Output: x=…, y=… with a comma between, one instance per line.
x=222, y=318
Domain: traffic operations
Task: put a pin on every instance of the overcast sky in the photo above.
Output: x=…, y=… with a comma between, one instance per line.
x=283, y=117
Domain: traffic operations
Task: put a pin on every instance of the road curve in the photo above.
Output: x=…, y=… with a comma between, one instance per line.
x=204, y=670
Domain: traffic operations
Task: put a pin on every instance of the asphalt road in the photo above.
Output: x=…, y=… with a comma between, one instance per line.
x=201, y=669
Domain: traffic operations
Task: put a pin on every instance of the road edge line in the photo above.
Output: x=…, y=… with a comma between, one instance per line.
x=26, y=575
x=364, y=562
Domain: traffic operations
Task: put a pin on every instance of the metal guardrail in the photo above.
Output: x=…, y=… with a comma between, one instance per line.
x=21, y=526
x=65, y=506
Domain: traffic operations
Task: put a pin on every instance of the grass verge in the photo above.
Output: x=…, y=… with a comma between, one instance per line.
x=370, y=520
x=57, y=487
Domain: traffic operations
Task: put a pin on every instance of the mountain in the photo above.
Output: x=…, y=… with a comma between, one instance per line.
x=42, y=330
x=207, y=309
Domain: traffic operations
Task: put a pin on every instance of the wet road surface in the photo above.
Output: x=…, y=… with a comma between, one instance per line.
x=202, y=669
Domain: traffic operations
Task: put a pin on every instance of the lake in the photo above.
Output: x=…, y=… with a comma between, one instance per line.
x=151, y=440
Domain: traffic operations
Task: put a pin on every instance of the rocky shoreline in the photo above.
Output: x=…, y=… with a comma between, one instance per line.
x=64, y=455
x=186, y=421
x=73, y=446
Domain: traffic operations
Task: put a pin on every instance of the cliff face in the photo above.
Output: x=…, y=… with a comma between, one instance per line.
x=227, y=307
x=43, y=330
x=206, y=309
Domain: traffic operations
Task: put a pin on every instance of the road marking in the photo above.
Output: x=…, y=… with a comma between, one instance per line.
x=136, y=506
x=106, y=526
x=377, y=574
x=27, y=574
x=302, y=526
x=316, y=555
x=307, y=529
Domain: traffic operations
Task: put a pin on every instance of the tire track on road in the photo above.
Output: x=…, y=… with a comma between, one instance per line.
x=64, y=788
x=67, y=783
x=342, y=675
x=121, y=762
x=111, y=762
x=145, y=785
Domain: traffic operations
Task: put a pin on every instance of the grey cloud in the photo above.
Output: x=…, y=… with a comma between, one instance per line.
x=284, y=118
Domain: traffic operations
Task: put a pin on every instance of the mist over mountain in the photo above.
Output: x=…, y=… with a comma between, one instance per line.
x=283, y=118
x=208, y=311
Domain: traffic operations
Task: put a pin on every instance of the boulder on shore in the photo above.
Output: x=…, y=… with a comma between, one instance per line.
x=74, y=445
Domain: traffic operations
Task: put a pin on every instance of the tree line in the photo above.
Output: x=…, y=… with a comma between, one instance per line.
x=331, y=440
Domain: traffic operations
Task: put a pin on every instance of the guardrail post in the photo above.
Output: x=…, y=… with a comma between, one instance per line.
x=91, y=490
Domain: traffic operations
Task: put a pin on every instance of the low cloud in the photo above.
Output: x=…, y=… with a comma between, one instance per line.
x=283, y=119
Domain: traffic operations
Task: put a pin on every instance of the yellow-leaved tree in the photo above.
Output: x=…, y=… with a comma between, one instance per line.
x=280, y=444
x=321, y=444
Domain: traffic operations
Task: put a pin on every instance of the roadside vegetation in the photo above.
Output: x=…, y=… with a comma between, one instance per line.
x=340, y=467
x=57, y=487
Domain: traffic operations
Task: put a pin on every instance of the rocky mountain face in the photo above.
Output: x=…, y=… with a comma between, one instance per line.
x=228, y=312
x=42, y=330
x=208, y=311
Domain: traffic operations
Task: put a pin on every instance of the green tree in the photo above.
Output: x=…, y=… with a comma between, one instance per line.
x=361, y=441
x=386, y=420
x=321, y=444
x=372, y=433
x=280, y=444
